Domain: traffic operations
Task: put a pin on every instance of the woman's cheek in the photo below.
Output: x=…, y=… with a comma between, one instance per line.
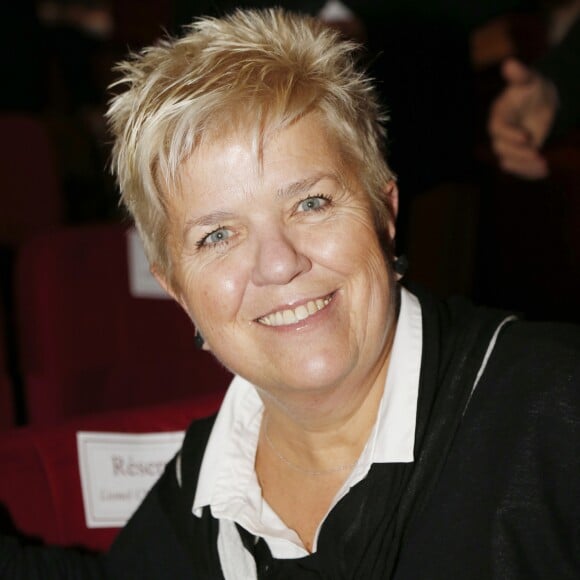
x=220, y=296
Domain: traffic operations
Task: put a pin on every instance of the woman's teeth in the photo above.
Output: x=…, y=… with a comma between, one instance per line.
x=286, y=317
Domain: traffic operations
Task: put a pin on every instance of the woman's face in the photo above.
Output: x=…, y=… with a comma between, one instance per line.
x=278, y=263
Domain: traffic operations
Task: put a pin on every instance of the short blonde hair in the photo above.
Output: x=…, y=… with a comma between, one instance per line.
x=266, y=67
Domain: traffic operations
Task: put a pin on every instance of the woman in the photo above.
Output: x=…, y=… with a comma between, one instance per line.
x=353, y=442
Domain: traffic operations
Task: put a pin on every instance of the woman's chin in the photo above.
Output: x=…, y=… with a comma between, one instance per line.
x=314, y=376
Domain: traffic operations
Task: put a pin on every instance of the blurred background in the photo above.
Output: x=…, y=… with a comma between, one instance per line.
x=70, y=321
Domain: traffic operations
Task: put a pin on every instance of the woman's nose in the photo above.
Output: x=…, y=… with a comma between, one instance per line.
x=278, y=260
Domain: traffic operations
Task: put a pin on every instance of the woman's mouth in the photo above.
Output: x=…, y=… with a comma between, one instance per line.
x=292, y=316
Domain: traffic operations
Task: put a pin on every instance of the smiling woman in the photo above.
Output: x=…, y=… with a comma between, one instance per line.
x=370, y=431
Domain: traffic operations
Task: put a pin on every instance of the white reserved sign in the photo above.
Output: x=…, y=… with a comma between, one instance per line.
x=118, y=469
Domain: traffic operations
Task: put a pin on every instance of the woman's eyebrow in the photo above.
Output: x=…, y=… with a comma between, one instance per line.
x=209, y=219
x=303, y=185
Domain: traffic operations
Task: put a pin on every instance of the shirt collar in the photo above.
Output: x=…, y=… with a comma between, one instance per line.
x=227, y=480
x=394, y=436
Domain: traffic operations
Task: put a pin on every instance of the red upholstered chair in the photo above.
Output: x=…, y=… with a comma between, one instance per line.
x=40, y=487
x=87, y=344
x=31, y=198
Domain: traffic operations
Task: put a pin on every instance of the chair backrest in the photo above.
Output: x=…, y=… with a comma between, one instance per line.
x=87, y=344
x=40, y=487
x=31, y=198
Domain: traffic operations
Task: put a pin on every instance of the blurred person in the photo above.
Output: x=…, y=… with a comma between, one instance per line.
x=539, y=102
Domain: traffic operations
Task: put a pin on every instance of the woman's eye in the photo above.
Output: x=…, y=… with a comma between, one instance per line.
x=314, y=203
x=216, y=237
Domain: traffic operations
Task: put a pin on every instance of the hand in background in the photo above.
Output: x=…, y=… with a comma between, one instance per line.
x=520, y=120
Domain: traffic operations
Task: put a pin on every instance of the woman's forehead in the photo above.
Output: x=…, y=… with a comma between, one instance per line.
x=304, y=142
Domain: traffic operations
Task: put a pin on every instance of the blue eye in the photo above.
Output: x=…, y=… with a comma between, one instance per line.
x=216, y=237
x=314, y=203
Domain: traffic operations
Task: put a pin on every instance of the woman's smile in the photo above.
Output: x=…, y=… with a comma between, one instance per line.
x=291, y=316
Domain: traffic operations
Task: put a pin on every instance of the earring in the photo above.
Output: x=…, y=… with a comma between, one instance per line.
x=400, y=265
x=198, y=340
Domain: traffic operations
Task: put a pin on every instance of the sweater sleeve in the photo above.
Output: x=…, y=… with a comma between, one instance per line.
x=20, y=560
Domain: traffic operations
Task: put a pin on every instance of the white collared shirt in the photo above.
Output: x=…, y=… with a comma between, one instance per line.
x=227, y=481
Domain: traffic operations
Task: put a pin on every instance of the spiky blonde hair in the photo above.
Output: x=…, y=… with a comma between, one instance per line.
x=267, y=68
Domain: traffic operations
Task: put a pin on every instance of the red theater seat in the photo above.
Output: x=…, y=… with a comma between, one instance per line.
x=31, y=199
x=40, y=485
x=87, y=344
